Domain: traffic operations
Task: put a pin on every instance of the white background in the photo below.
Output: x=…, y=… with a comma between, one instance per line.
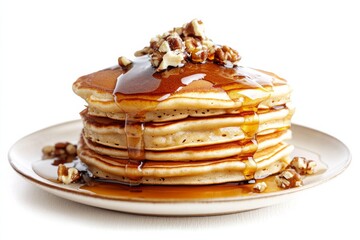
x=46, y=45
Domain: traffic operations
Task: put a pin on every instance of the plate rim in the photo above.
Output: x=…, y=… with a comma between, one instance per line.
x=46, y=184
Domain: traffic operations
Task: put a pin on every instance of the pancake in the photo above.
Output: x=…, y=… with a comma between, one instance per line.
x=200, y=97
x=184, y=113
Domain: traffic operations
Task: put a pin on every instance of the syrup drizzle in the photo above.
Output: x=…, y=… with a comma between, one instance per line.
x=134, y=130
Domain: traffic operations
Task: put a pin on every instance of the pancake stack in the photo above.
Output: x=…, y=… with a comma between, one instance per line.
x=189, y=122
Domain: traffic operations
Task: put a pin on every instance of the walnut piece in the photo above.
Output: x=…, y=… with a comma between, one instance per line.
x=259, y=187
x=187, y=44
x=288, y=178
x=226, y=56
x=67, y=175
x=303, y=166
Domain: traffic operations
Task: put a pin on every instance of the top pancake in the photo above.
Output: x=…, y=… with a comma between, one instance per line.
x=193, y=90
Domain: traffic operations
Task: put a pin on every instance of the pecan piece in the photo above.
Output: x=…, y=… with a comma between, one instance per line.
x=226, y=56
x=194, y=28
x=260, y=187
x=288, y=178
x=303, y=166
x=123, y=61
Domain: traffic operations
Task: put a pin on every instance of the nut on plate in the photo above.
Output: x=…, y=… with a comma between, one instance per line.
x=67, y=175
x=260, y=187
x=288, y=178
x=303, y=166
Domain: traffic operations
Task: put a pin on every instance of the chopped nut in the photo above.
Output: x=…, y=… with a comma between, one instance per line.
x=123, y=61
x=303, y=166
x=259, y=187
x=67, y=175
x=155, y=43
x=226, y=56
x=199, y=56
x=175, y=42
x=194, y=28
x=288, y=178
x=172, y=58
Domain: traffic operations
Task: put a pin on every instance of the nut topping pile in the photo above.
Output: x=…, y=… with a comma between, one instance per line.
x=186, y=44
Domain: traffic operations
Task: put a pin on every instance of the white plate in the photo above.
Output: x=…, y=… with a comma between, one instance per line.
x=308, y=143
